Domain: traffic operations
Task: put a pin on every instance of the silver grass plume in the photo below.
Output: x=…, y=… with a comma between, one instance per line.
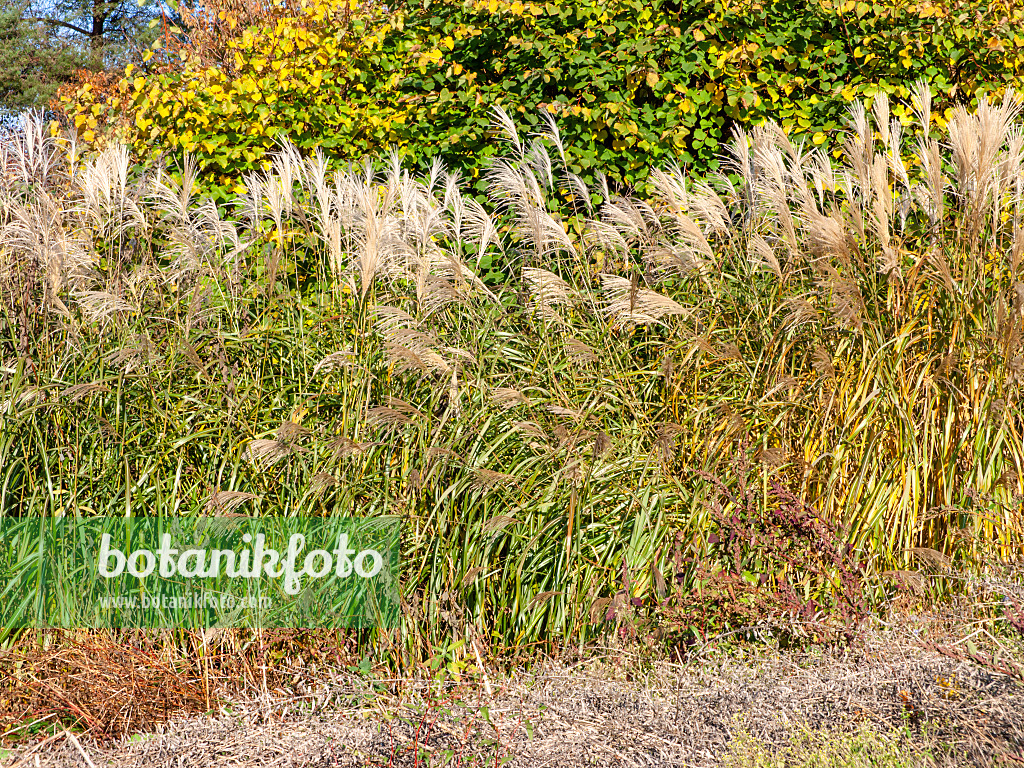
x=626, y=303
x=548, y=291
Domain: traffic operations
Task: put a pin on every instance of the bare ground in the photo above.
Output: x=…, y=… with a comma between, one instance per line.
x=611, y=711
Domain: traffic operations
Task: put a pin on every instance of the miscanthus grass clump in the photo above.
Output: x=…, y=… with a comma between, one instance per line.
x=844, y=335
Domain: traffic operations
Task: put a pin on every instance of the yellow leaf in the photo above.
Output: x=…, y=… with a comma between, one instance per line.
x=652, y=79
x=818, y=138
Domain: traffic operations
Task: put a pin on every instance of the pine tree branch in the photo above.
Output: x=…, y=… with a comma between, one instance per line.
x=60, y=23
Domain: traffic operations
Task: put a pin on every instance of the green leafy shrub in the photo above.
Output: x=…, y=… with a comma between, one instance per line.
x=632, y=84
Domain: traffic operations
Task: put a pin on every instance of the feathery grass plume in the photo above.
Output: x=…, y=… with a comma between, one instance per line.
x=577, y=190
x=761, y=254
x=264, y=453
x=516, y=190
x=317, y=186
x=799, y=311
x=880, y=112
x=1009, y=182
x=434, y=293
x=847, y=301
x=507, y=398
x=898, y=167
x=342, y=447
x=31, y=157
x=406, y=347
x=287, y=167
x=782, y=385
x=823, y=175
x=343, y=358
x=374, y=232
x=932, y=558
x=506, y=128
x=773, y=192
x=548, y=291
x=479, y=225
x=665, y=441
x=739, y=160
x=976, y=139
x=861, y=138
x=706, y=206
x=498, y=523
x=197, y=237
x=911, y=580
x=538, y=159
x=774, y=457
x=580, y=352
x=668, y=260
x=661, y=256
x=382, y=416
x=669, y=185
x=566, y=413
x=636, y=222
x=173, y=199
x=880, y=216
x=692, y=239
x=928, y=193
x=514, y=186
x=822, y=363
x=627, y=304
x=729, y=351
x=438, y=451
x=408, y=409
x=98, y=306
x=39, y=250
x=488, y=479
x=827, y=238
x=409, y=349
x=602, y=444
x=29, y=397
x=530, y=429
x=454, y=402
x=387, y=319
x=221, y=502
x=605, y=238
x=107, y=202
x=139, y=354
x=291, y=432
x=321, y=481
x=77, y=392
x=551, y=132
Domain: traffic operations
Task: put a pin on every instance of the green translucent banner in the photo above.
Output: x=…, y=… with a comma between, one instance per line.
x=198, y=571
